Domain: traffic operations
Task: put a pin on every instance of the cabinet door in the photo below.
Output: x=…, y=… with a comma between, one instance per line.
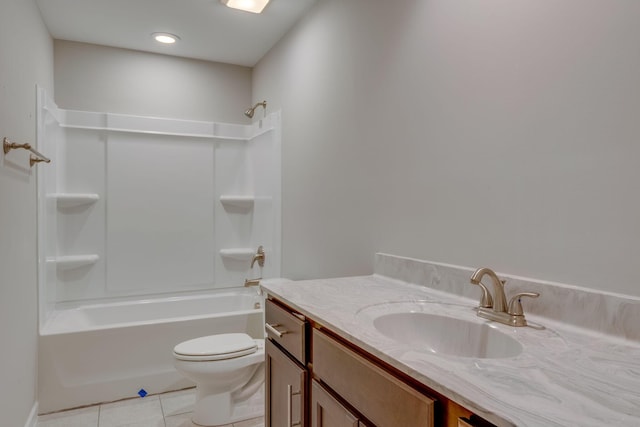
x=286, y=384
x=327, y=411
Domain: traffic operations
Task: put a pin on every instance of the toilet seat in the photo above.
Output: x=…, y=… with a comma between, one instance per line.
x=215, y=347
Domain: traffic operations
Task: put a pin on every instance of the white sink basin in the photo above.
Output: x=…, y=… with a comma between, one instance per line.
x=447, y=335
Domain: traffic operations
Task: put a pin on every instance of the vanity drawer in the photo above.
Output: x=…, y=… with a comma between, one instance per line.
x=379, y=396
x=287, y=329
x=473, y=421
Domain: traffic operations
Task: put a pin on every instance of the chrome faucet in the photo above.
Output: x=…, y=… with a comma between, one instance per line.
x=259, y=256
x=499, y=301
x=496, y=308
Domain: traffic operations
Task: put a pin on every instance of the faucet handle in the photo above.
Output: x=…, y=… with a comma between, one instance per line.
x=259, y=256
x=515, y=306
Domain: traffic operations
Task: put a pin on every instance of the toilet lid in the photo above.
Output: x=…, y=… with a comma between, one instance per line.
x=216, y=347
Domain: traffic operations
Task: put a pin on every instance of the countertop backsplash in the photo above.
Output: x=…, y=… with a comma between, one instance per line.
x=586, y=309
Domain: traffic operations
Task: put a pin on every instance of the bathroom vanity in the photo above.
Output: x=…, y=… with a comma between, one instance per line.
x=352, y=352
x=315, y=378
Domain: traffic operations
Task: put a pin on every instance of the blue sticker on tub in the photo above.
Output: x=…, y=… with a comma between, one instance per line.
x=142, y=392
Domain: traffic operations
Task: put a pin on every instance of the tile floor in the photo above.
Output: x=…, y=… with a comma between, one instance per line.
x=163, y=410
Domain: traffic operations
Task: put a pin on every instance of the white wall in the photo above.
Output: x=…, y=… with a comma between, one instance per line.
x=480, y=133
x=105, y=79
x=26, y=59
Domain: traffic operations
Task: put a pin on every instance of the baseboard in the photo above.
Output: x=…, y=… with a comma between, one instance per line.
x=32, y=421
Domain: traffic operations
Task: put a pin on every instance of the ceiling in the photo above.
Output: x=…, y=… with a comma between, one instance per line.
x=207, y=29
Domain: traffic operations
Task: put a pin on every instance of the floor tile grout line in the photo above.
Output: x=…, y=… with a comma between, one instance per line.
x=164, y=419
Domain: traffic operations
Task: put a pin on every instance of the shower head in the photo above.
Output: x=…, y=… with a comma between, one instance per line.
x=250, y=111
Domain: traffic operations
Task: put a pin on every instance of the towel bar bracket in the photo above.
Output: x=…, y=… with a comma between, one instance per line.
x=8, y=146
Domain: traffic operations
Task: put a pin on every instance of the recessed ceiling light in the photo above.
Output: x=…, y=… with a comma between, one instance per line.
x=253, y=6
x=165, y=38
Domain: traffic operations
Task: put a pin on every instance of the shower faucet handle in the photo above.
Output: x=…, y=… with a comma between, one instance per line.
x=259, y=256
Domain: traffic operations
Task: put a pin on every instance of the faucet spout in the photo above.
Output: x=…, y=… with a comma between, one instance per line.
x=499, y=298
x=252, y=282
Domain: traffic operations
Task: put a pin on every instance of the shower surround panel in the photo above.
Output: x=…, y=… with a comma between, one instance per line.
x=132, y=205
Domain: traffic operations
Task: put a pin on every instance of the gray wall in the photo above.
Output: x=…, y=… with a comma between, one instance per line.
x=493, y=133
x=99, y=78
x=26, y=59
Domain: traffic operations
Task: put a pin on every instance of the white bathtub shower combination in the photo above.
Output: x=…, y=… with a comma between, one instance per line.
x=130, y=210
x=104, y=352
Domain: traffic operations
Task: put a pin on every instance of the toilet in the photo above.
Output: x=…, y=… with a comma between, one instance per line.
x=228, y=369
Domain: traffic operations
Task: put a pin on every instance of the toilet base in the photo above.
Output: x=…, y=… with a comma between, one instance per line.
x=218, y=410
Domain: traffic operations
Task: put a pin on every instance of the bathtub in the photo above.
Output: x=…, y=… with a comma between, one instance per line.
x=104, y=352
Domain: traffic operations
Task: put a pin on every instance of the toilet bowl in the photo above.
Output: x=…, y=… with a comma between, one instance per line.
x=228, y=369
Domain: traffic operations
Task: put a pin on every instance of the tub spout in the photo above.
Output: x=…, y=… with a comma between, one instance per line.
x=252, y=282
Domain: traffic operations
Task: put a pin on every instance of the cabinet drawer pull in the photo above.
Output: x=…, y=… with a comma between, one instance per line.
x=273, y=330
x=290, y=394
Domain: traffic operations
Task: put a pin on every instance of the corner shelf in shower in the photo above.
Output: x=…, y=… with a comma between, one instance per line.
x=67, y=200
x=244, y=202
x=238, y=254
x=69, y=262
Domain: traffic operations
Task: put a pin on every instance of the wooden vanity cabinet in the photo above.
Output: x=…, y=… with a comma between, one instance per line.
x=380, y=397
x=286, y=374
x=316, y=379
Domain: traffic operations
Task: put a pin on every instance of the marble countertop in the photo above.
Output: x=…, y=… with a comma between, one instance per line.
x=563, y=377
